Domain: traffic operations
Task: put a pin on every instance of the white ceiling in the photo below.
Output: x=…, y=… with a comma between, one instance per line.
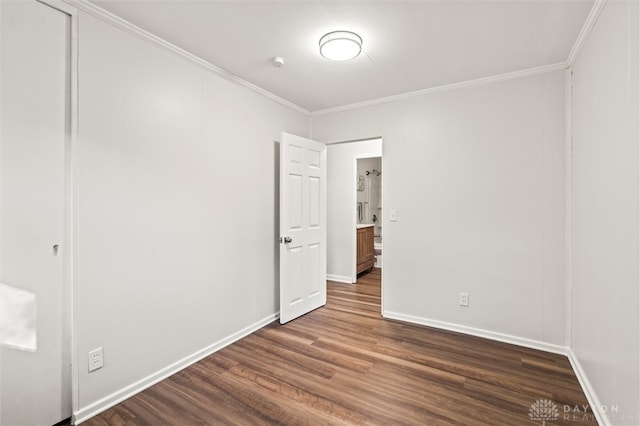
x=408, y=45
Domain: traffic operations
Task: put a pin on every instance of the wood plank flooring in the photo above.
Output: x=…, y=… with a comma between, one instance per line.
x=343, y=364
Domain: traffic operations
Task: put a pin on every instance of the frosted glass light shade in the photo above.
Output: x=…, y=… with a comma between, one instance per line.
x=340, y=45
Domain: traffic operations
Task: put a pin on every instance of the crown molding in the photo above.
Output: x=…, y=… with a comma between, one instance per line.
x=561, y=66
x=108, y=17
x=594, y=13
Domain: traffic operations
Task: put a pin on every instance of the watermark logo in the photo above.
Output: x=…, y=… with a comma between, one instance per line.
x=543, y=410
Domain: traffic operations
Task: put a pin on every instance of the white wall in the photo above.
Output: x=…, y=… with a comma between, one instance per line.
x=341, y=205
x=176, y=210
x=477, y=178
x=605, y=295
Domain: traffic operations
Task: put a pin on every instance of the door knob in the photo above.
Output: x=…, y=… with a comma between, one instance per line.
x=287, y=240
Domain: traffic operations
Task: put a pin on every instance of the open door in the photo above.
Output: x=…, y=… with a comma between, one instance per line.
x=303, y=226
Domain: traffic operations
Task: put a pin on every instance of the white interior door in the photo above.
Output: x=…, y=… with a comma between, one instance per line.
x=303, y=226
x=35, y=369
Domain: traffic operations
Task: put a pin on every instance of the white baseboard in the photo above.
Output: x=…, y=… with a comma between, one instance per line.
x=588, y=390
x=492, y=335
x=340, y=278
x=109, y=401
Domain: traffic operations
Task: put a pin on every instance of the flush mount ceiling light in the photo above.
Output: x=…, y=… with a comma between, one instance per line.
x=340, y=45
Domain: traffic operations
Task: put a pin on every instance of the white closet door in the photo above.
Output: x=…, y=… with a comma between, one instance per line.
x=34, y=361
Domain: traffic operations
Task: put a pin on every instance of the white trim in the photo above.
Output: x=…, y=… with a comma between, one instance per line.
x=341, y=142
x=115, y=398
x=568, y=187
x=382, y=211
x=70, y=245
x=74, y=222
x=561, y=66
x=73, y=219
x=108, y=17
x=487, y=334
x=588, y=390
x=594, y=13
x=339, y=278
x=61, y=6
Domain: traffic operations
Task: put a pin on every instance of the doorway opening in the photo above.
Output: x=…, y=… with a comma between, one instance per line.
x=344, y=213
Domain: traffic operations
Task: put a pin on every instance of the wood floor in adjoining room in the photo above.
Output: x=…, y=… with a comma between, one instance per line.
x=345, y=364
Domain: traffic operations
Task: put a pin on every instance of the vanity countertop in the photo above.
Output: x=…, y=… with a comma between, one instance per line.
x=363, y=225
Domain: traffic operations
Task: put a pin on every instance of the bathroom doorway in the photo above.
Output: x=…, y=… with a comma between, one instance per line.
x=342, y=205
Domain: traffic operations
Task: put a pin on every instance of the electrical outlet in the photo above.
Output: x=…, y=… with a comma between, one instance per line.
x=96, y=359
x=464, y=299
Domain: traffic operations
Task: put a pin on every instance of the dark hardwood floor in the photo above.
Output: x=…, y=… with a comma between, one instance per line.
x=344, y=364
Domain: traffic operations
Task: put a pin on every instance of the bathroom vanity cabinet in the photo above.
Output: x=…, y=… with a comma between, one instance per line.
x=365, y=257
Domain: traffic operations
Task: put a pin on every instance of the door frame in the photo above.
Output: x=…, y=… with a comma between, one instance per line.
x=353, y=201
x=70, y=227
